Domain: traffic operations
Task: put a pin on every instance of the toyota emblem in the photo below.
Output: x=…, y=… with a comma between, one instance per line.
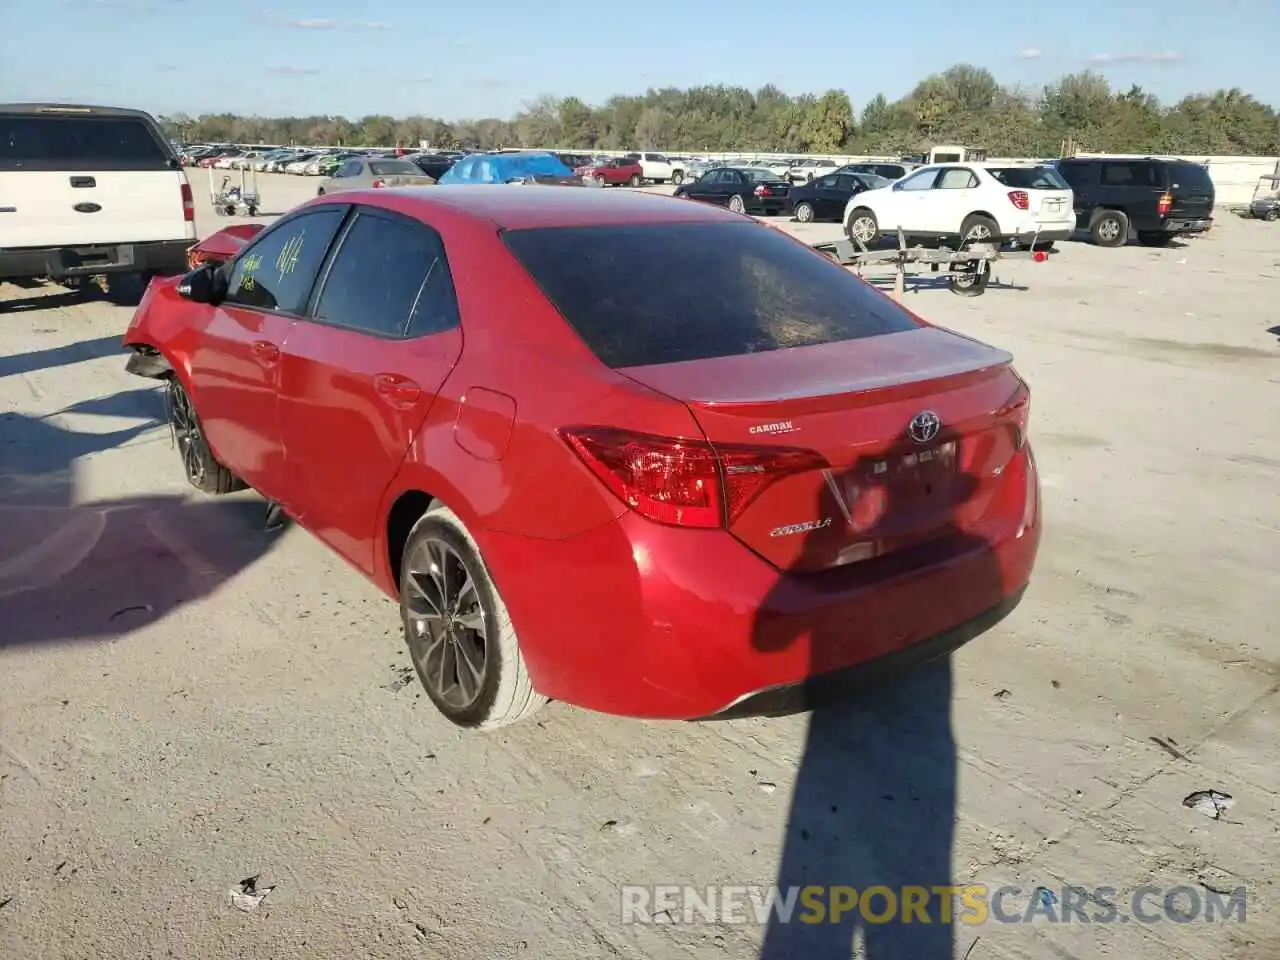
x=924, y=426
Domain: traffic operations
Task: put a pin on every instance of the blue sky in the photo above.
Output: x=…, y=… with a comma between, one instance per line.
x=487, y=58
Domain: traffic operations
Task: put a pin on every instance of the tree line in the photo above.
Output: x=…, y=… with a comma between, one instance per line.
x=964, y=104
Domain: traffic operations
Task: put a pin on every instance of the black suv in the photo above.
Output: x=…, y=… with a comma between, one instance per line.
x=1158, y=199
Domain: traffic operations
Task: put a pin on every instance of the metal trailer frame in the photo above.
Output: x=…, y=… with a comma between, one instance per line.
x=968, y=265
x=231, y=201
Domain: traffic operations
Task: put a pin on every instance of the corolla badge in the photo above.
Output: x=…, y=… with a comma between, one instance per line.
x=924, y=426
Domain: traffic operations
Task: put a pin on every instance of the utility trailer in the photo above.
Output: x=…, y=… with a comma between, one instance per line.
x=968, y=266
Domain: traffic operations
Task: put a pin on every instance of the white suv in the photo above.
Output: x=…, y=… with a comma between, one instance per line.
x=1024, y=204
x=87, y=192
x=658, y=168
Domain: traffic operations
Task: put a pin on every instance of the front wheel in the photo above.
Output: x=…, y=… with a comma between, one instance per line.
x=804, y=212
x=1271, y=215
x=736, y=204
x=201, y=467
x=459, y=633
x=862, y=227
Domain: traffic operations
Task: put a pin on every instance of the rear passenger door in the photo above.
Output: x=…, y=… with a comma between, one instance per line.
x=360, y=372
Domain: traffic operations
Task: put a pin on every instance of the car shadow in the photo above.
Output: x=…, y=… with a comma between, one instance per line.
x=37, y=454
x=20, y=363
x=72, y=570
x=931, y=283
x=874, y=803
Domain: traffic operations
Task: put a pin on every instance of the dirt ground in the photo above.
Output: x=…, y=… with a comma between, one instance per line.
x=189, y=701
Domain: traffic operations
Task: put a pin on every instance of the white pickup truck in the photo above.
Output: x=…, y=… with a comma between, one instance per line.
x=657, y=168
x=90, y=192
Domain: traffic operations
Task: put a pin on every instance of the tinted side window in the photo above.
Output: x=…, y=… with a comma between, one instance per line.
x=82, y=144
x=383, y=273
x=845, y=182
x=665, y=293
x=1078, y=174
x=278, y=270
x=1128, y=174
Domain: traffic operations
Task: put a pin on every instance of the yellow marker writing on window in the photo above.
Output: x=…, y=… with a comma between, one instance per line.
x=288, y=259
x=251, y=265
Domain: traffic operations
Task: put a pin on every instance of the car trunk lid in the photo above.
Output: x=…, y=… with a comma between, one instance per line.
x=879, y=444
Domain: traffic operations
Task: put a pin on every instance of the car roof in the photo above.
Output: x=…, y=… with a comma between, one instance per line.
x=522, y=207
x=71, y=109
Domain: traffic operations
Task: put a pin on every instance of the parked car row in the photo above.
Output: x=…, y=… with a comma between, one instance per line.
x=1028, y=204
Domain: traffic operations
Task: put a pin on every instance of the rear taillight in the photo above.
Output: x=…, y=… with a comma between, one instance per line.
x=1020, y=199
x=188, y=204
x=1017, y=414
x=684, y=483
x=763, y=191
x=1163, y=204
x=379, y=183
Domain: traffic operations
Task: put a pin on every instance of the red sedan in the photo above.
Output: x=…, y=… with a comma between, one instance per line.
x=647, y=457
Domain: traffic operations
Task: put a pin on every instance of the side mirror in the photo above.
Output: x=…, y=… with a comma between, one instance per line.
x=207, y=283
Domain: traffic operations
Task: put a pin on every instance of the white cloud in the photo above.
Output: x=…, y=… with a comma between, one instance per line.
x=1031, y=53
x=1166, y=56
x=321, y=23
x=286, y=71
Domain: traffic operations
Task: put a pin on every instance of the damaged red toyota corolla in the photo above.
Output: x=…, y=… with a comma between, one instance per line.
x=643, y=456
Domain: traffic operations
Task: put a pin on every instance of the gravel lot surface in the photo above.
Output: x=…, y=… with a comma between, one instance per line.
x=188, y=701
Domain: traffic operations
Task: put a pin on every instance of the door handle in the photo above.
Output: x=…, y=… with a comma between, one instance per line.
x=397, y=390
x=265, y=353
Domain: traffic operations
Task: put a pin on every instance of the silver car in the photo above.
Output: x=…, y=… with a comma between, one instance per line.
x=361, y=173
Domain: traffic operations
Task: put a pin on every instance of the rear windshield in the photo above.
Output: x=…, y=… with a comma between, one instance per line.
x=391, y=168
x=1189, y=176
x=1030, y=178
x=664, y=293
x=80, y=144
x=756, y=174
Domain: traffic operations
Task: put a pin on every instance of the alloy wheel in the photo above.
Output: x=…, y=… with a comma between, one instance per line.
x=187, y=433
x=863, y=230
x=447, y=629
x=804, y=213
x=1109, y=229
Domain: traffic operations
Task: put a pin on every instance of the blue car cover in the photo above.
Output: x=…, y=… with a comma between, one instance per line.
x=504, y=168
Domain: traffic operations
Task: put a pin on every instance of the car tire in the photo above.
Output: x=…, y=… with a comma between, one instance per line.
x=804, y=212
x=677, y=177
x=320, y=192
x=970, y=283
x=979, y=228
x=862, y=227
x=634, y=181
x=502, y=692
x=1271, y=215
x=201, y=467
x=737, y=204
x=1154, y=238
x=1110, y=228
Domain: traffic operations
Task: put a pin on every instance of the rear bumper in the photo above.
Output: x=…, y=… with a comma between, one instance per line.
x=1182, y=225
x=162, y=256
x=644, y=620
